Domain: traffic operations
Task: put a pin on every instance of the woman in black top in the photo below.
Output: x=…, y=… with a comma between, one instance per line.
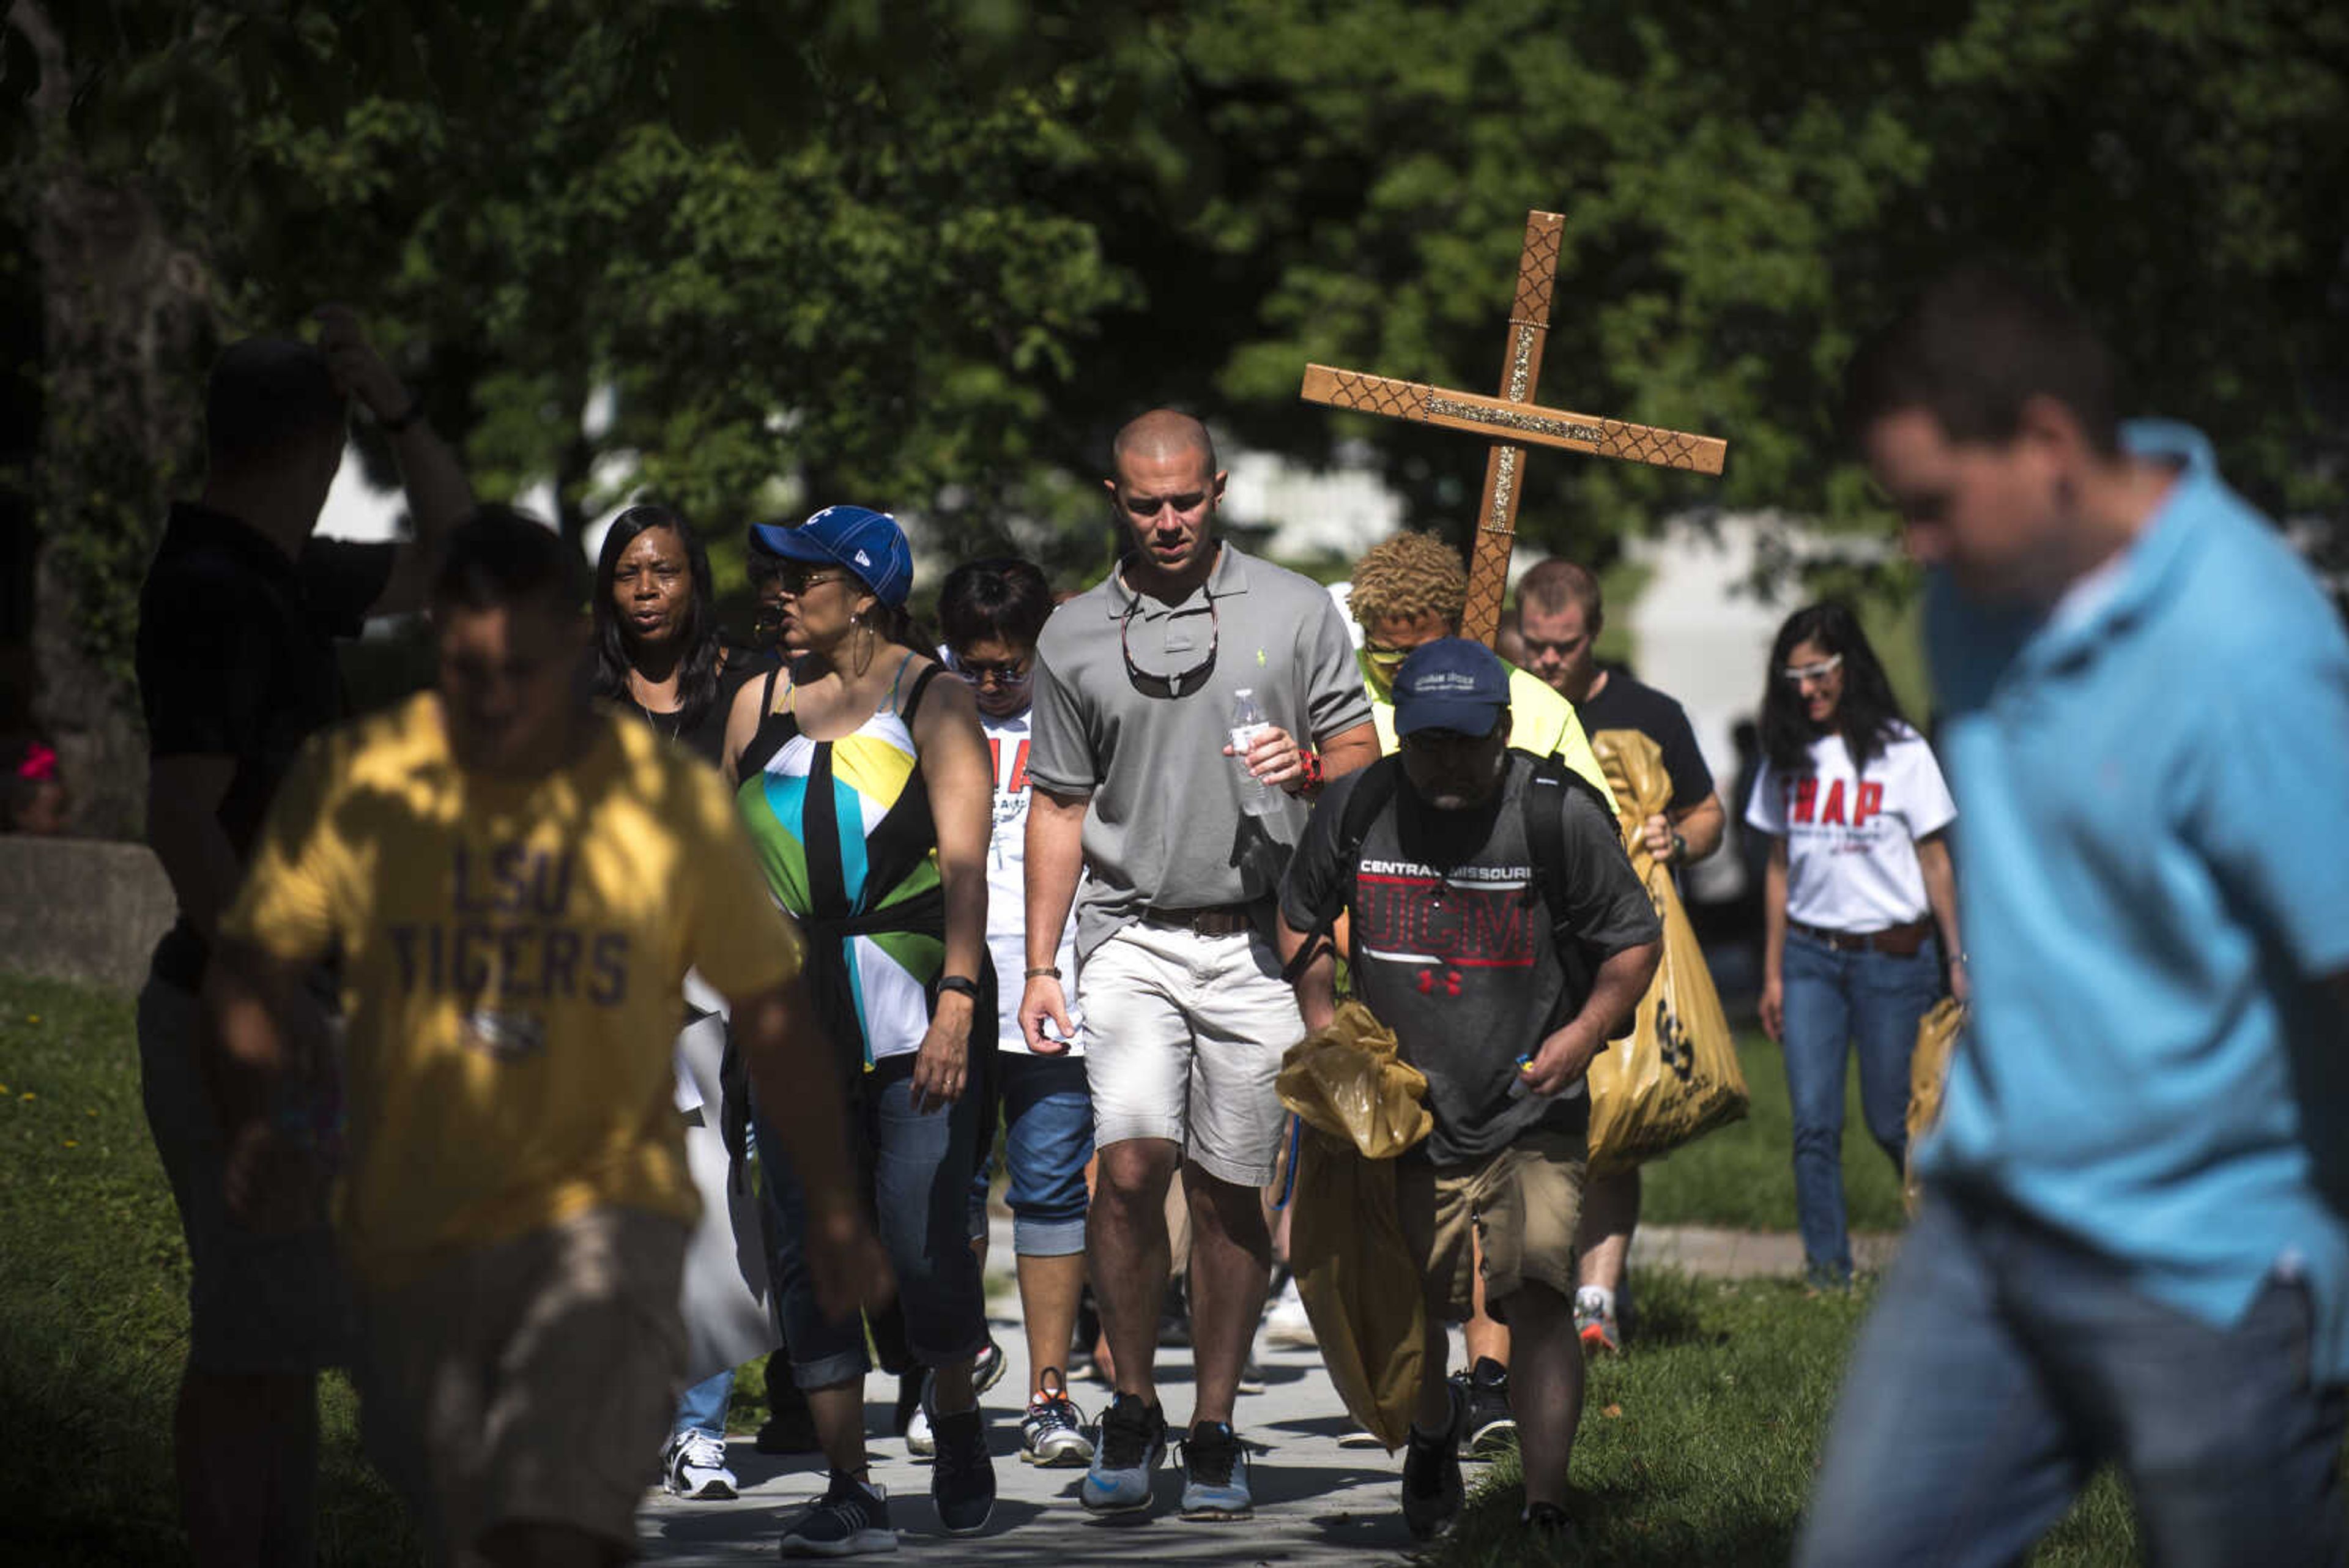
x=658, y=648
x=659, y=655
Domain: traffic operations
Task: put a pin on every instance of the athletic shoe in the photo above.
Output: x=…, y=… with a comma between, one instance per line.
x=1361, y=1437
x=850, y=1520
x=1549, y=1528
x=921, y=1435
x=695, y=1467
x=1133, y=1439
x=1251, y=1377
x=1596, y=1324
x=1052, y=1432
x=1285, y=1322
x=962, y=1483
x=1432, y=1492
x=986, y=1367
x=1491, y=1428
x=1215, y=1469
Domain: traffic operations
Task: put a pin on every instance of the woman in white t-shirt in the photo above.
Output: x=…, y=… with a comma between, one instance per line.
x=991, y=613
x=1859, y=888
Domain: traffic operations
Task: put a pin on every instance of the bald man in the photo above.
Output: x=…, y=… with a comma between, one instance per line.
x=1136, y=781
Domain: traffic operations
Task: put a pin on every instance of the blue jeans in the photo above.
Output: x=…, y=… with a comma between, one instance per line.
x=1048, y=1137
x=2004, y=1362
x=914, y=1173
x=703, y=1408
x=1834, y=1001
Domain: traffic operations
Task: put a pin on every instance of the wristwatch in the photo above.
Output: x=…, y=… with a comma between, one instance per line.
x=1680, y=850
x=962, y=984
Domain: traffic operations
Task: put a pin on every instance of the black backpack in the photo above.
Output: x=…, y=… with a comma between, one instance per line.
x=1545, y=837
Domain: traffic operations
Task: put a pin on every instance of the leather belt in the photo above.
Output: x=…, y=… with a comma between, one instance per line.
x=1207, y=919
x=1900, y=941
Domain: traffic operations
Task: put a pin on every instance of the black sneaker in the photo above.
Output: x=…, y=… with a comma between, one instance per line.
x=1133, y=1440
x=850, y=1520
x=1491, y=1428
x=962, y=1478
x=1215, y=1469
x=1432, y=1494
x=1547, y=1528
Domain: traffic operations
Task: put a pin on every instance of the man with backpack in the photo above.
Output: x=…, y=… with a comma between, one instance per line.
x=1498, y=928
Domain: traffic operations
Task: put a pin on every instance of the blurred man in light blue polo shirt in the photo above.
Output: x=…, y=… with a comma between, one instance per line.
x=2135, y=1248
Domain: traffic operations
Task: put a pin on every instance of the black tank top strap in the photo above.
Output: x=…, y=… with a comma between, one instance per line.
x=914, y=698
x=774, y=732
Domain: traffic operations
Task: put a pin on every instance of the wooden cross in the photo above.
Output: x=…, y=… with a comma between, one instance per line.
x=1514, y=412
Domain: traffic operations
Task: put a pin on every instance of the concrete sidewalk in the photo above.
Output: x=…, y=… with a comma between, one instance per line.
x=1317, y=1502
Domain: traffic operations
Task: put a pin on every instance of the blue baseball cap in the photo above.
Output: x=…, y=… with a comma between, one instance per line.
x=868, y=543
x=1451, y=684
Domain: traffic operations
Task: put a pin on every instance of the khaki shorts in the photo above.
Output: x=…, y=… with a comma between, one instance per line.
x=529, y=1381
x=1522, y=1202
x=1184, y=1037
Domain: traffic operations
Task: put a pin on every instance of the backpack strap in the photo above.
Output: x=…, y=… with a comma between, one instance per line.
x=1373, y=791
x=1545, y=805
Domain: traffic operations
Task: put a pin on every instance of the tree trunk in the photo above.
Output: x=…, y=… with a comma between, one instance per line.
x=124, y=325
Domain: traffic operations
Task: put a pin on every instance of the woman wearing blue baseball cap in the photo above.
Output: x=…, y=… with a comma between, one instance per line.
x=865, y=785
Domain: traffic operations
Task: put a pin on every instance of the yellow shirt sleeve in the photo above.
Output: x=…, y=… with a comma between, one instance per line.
x=739, y=941
x=287, y=906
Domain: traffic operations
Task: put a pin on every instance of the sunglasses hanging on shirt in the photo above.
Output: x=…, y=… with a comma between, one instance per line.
x=1177, y=683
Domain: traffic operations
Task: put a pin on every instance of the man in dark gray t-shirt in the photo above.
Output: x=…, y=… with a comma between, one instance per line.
x=1457, y=920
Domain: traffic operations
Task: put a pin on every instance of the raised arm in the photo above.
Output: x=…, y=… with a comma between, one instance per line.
x=438, y=493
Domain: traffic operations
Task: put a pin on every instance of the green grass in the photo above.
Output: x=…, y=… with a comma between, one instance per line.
x=1700, y=1445
x=1742, y=1176
x=93, y=1310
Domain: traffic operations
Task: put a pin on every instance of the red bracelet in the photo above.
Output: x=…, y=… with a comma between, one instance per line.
x=1308, y=769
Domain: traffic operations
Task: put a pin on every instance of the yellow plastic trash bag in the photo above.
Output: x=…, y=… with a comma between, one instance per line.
x=1928, y=1072
x=1675, y=1075
x=1360, y=1106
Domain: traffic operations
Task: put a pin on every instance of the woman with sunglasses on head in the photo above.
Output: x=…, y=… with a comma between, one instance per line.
x=865, y=782
x=1859, y=881
x=991, y=613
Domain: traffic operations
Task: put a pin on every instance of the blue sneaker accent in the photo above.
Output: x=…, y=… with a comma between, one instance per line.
x=1132, y=1441
x=1215, y=1467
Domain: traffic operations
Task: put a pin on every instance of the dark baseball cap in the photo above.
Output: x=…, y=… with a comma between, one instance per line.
x=868, y=543
x=1451, y=684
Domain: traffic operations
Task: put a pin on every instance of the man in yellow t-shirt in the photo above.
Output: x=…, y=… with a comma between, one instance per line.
x=515, y=885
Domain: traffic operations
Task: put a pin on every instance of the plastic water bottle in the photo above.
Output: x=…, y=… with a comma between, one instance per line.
x=1247, y=723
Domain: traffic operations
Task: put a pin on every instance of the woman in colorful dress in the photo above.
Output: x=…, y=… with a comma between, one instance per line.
x=1860, y=884
x=865, y=782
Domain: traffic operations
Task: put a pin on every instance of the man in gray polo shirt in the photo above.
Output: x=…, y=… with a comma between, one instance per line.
x=1135, y=783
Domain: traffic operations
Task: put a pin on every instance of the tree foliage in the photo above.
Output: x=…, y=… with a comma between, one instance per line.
x=927, y=255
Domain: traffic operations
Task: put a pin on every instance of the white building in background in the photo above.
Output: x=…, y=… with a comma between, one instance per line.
x=1315, y=514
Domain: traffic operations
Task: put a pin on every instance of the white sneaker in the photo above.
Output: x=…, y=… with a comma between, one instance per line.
x=695, y=1467
x=920, y=1441
x=1285, y=1322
